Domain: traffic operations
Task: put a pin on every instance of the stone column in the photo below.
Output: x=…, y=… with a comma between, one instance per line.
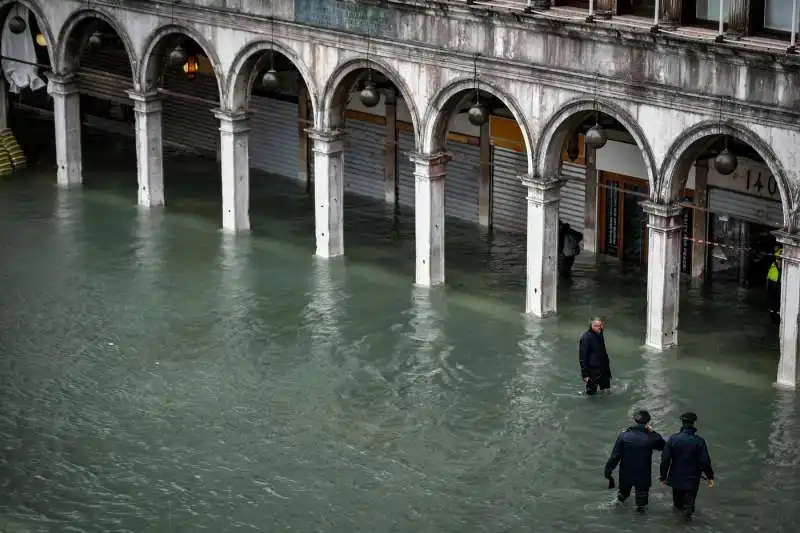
x=789, y=367
x=663, y=273
x=302, y=120
x=485, y=179
x=700, y=221
x=541, y=288
x=149, y=150
x=390, y=150
x=67, y=117
x=590, y=206
x=429, y=176
x=3, y=103
x=235, y=168
x=673, y=13
x=738, y=17
x=329, y=191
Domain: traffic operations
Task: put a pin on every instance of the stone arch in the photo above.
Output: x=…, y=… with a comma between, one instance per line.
x=339, y=83
x=239, y=80
x=150, y=69
x=70, y=45
x=44, y=25
x=685, y=149
x=437, y=116
x=569, y=116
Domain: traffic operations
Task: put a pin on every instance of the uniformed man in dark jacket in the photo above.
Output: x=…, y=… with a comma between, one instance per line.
x=593, y=357
x=633, y=452
x=684, y=461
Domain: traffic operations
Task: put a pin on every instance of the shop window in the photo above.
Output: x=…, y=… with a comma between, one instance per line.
x=778, y=15
x=639, y=8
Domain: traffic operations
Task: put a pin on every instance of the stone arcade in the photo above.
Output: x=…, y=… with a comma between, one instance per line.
x=673, y=93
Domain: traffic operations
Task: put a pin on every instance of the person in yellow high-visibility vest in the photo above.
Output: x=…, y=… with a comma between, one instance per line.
x=774, y=287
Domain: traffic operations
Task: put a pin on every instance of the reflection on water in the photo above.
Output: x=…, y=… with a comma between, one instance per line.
x=157, y=374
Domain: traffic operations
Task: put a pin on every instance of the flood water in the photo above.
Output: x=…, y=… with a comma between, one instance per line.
x=157, y=375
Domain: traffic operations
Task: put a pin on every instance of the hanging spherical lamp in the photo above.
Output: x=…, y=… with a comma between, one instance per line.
x=478, y=114
x=726, y=162
x=95, y=41
x=41, y=40
x=369, y=94
x=596, y=137
x=17, y=25
x=178, y=56
x=270, y=80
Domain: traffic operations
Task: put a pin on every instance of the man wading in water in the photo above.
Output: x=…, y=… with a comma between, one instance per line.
x=593, y=357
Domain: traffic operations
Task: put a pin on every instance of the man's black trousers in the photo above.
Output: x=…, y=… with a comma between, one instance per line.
x=684, y=500
x=641, y=496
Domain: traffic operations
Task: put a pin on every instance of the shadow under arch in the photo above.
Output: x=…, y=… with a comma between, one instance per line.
x=71, y=45
x=687, y=147
x=338, y=87
x=41, y=20
x=240, y=79
x=149, y=70
x=569, y=116
x=444, y=103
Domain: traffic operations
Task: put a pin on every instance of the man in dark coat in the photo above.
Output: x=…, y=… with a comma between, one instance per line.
x=633, y=452
x=569, y=246
x=593, y=358
x=684, y=461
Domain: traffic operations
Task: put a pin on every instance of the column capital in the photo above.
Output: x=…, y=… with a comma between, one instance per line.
x=430, y=166
x=790, y=243
x=326, y=141
x=232, y=121
x=663, y=217
x=63, y=85
x=543, y=190
x=147, y=102
x=544, y=183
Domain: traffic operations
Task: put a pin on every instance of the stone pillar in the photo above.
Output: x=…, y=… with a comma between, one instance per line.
x=788, y=367
x=541, y=288
x=700, y=221
x=302, y=123
x=390, y=149
x=235, y=168
x=429, y=176
x=663, y=273
x=3, y=103
x=329, y=191
x=590, y=205
x=673, y=13
x=149, y=149
x=738, y=17
x=67, y=117
x=485, y=179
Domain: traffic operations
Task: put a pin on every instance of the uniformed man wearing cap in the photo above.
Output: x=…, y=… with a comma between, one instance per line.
x=684, y=461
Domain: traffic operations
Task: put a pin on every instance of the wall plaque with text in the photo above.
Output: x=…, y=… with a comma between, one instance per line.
x=361, y=18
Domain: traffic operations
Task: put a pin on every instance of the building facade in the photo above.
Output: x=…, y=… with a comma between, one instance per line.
x=669, y=139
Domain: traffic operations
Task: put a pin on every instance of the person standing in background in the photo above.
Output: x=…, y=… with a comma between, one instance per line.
x=569, y=246
x=593, y=358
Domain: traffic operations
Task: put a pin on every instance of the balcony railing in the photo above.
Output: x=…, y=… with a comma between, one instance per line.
x=654, y=24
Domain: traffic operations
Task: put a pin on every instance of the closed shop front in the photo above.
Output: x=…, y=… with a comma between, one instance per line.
x=743, y=209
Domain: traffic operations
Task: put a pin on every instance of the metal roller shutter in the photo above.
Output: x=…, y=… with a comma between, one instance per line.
x=274, y=136
x=509, y=197
x=461, y=187
x=572, y=207
x=106, y=74
x=187, y=120
x=363, y=159
x=405, y=168
x=744, y=207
